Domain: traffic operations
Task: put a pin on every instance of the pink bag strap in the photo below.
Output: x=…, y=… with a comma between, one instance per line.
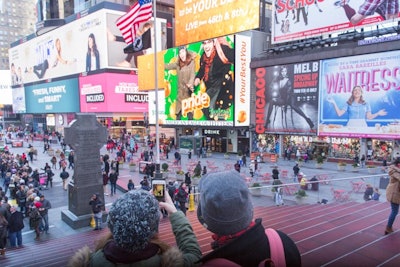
x=277, y=252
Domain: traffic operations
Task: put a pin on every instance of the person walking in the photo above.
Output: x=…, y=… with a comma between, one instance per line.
x=35, y=218
x=15, y=226
x=21, y=198
x=181, y=197
x=44, y=212
x=64, y=177
x=237, y=166
x=71, y=160
x=7, y=181
x=53, y=162
x=97, y=208
x=3, y=234
x=277, y=189
x=244, y=163
x=106, y=171
x=362, y=160
x=113, y=181
x=393, y=194
x=296, y=170
x=252, y=168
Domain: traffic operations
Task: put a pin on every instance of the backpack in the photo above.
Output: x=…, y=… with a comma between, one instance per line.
x=277, y=253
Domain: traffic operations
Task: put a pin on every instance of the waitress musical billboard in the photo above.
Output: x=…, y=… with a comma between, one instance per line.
x=360, y=96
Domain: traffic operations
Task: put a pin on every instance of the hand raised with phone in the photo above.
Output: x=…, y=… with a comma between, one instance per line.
x=168, y=204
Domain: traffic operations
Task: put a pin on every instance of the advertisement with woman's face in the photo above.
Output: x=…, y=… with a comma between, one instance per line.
x=287, y=98
x=199, y=83
x=360, y=96
x=76, y=47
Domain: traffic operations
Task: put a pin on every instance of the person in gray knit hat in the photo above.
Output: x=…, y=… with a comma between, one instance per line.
x=226, y=209
x=133, y=221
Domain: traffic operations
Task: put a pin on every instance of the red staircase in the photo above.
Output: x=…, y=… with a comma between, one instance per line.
x=338, y=234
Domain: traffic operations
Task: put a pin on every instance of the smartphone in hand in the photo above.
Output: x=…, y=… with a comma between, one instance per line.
x=158, y=187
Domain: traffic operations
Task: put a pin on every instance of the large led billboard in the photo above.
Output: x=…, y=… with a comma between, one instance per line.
x=52, y=97
x=153, y=101
x=197, y=20
x=87, y=44
x=5, y=88
x=112, y=92
x=79, y=46
x=201, y=86
x=300, y=19
x=360, y=96
x=116, y=44
x=18, y=99
x=287, y=98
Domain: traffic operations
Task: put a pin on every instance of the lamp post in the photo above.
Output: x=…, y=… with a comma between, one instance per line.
x=158, y=174
x=2, y=108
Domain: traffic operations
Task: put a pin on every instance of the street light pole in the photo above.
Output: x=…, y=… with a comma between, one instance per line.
x=158, y=173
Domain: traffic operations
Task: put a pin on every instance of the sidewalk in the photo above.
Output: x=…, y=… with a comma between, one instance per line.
x=329, y=170
x=59, y=198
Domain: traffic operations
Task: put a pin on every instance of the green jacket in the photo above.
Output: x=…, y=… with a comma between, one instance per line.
x=187, y=253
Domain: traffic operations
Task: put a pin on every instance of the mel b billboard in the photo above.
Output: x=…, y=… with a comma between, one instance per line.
x=360, y=96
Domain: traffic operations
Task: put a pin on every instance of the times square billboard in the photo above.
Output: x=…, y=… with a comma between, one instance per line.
x=197, y=20
x=212, y=86
x=360, y=96
x=300, y=19
x=357, y=96
x=89, y=43
x=287, y=98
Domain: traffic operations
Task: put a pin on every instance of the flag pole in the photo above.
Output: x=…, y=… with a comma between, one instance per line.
x=158, y=173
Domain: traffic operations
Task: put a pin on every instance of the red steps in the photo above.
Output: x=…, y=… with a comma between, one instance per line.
x=336, y=234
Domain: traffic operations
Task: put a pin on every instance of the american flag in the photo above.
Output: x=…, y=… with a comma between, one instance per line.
x=129, y=23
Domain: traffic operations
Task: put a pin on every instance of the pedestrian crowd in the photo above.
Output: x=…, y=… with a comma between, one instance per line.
x=23, y=185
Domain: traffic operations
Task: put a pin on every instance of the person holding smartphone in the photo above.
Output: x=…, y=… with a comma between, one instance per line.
x=159, y=188
x=133, y=220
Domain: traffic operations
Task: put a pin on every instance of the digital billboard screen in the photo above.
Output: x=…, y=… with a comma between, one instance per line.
x=197, y=20
x=301, y=19
x=200, y=83
x=287, y=98
x=360, y=96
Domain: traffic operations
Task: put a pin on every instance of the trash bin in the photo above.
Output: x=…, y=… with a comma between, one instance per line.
x=314, y=184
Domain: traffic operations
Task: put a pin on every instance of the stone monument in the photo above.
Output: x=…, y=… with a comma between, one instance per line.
x=86, y=136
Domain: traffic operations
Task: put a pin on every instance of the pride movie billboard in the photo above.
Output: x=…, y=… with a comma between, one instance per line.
x=300, y=19
x=287, y=98
x=200, y=84
x=197, y=20
x=112, y=92
x=360, y=96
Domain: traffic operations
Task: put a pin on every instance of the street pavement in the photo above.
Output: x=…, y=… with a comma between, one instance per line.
x=338, y=180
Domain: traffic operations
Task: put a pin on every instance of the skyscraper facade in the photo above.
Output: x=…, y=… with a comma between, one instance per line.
x=17, y=20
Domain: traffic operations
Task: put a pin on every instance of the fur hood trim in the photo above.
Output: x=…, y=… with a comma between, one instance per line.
x=81, y=258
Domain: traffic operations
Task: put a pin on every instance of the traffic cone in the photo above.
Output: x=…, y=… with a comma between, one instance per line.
x=92, y=222
x=191, y=202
